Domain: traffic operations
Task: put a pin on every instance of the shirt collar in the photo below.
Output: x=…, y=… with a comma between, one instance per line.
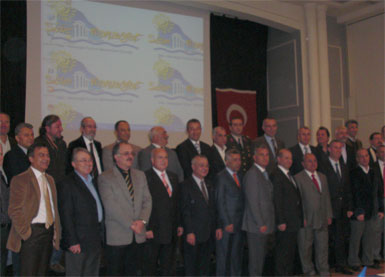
x=25, y=150
x=303, y=146
x=194, y=141
x=260, y=167
x=156, y=145
x=366, y=170
x=310, y=174
x=230, y=171
x=333, y=162
x=37, y=172
x=197, y=180
x=158, y=171
x=352, y=139
x=87, y=141
x=284, y=170
x=89, y=177
x=268, y=138
x=219, y=148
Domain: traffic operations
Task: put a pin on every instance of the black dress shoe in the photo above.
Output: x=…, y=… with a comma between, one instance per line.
x=355, y=268
x=375, y=266
x=343, y=270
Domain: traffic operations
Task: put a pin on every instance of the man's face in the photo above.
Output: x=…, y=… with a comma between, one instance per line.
x=304, y=136
x=161, y=137
x=381, y=153
x=160, y=159
x=335, y=150
x=286, y=159
x=234, y=162
x=342, y=135
x=55, y=130
x=200, y=167
x=4, y=124
x=89, y=129
x=352, y=129
x=194, y=130
x=310, y=163
x=123, y=132
x=270, y=127
x=322, y=137
x=261, y=157
x=236, y=126
x=25, y=137
x=220, y=137
x=363, y=157
x=1, y=155
x=376, y=141
x=83, y=163
x=125, y=157
x=40, y=158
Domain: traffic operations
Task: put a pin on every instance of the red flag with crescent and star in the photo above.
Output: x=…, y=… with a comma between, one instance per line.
x=237, y=103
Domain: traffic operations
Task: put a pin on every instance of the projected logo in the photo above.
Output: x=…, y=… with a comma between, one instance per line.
x=65, y=23
x=68, y=75
x=172, y=82
x=172, y=39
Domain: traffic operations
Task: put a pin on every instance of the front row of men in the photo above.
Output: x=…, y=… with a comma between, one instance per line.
x=141, y=214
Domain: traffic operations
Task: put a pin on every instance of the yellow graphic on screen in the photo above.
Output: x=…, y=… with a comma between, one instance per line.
x=63, y=9
x=163, y=23
x=64, y=111
x=163, y=69
x=163, y=116
x=63, y=61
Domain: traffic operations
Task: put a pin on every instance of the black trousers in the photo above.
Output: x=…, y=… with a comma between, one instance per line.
x=35, y=252
x=123, y=260
x=285, y=251
x=197, y=258
x=337, y=242
x=4, y=251
x=164, y=253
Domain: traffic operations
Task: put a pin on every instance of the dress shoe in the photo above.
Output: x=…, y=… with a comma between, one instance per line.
x=355, y=268
x=57, y=268
x=375, y=266
x=343, y=270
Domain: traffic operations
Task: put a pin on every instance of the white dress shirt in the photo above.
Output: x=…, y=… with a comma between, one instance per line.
x=221, y=151
x=96, y=154
x=42, y=213
x=159, y=173
x=316, y=177
x=303, y=148
x=198, y=181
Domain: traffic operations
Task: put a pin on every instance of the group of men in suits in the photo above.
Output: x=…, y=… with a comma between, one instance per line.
x=134, y=203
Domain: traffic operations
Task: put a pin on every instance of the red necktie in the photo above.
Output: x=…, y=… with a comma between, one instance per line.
x=166, y=184
x=236, y=180
x=315, y=182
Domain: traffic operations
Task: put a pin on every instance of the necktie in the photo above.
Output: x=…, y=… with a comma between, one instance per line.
x=94, y=171
x=236, y=180
x=315, y=183
x=338, y=172
x=240, y=143
x=274, y=146
x=306, y=150
x=48, y=208
x=266, y=175
x=166, y=184
x=204, y=192
x=130, y=185
x=198, y=148
x=292, y=179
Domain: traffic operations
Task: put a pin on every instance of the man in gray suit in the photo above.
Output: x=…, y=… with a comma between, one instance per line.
x=127, y=205
x=122, y=133
x=318, y=215
x=230, y=206
x=159, y=139
x=258, y=218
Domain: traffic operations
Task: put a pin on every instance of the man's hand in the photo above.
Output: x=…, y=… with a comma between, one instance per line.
x=218, y=234
x=304, y=223
x=282, y=227
x=329, y=221
x=191, y=239
x=349, y=214
x=381, y=215
x=361, y=217
x=137, y=226
x=149, y=235
x=229, y=228
x=75, y=249
x=263, y=229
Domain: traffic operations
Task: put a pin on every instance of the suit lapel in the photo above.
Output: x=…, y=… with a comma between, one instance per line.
x=196, y=187
x=232, y=181
x=122, y=184
x=159, y=183
x=192, y=147
x=35, y=183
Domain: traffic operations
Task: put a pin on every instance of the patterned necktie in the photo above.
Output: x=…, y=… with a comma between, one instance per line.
x=197, y=147
x=338, y=172
x=315, y=183
x=130, y=185
x=166, y=185
x=274, y=146
x=204, y=192
x=94, y=171
x=266, y=175
x=236, y=180
x=48, y=207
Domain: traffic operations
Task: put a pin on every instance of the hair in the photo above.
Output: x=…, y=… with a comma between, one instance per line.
x=31, y=149
x=360, y=150
x=153, y=151
x=3, y=113
x=231, y=151
x=117, y=124
x=262, y=146
x=308, y=154
x=116, y=148
x=339, y=128
x=281, y=151
x=335, y=141
x=153, y=132
x=268, y=118
x=218, y=128
x=78, y=150
x=324, y=129
x=351, y=121
x=47, y=122
x=374, y=134
x=303, y=127
x=193, y=161
x=21, y=126
x=235, y=117
x=193, y=120
x=82, y=123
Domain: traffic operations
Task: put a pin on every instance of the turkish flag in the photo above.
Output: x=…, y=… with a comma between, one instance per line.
x=237, y=103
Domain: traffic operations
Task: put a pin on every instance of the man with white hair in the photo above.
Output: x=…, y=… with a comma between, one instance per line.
x=347, y=152
x=218, y=150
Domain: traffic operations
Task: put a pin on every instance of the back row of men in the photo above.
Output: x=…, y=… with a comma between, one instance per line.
x=201, y=192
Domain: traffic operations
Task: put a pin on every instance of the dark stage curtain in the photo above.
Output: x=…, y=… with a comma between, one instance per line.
x=238, y=60
x=13, y=59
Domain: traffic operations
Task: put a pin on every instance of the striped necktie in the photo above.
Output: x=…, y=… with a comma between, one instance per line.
x=130, y=185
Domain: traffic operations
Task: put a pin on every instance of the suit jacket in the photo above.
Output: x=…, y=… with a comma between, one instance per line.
x=316, y=205
x=351, y=161
x=296, y=151
x=79, y=214
x=272, y=158
x=198, y=216
x=79, y=142
x=143, y=161
x=108, y=161
x=367, y=197
x=165, y=214
x=120, y=210
x=259, y=204
x=186, y=152
x=378, y=172
x=217, y=163
x=15, y=162
x=24, y=205
x=354, y=144
x=287, y=201
x=4, y=203
x=230, y=200
x=322, y=157
x=372, y=155
x=246, y=151
x=340, y=194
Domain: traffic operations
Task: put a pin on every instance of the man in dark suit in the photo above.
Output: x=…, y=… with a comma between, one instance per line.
x=81, y=215
x=269, y=139
x=300, y=149
x=6, y=141
x=352, y=141
x=218, y=150
x=318, y=215
x=191, y=147
x=159, y=139
x=375, y=140
x=87, y=141
x=240, y=142
x=367, y=206
x=288, y=214
x=230, y=207
x=337, y=174
x=347, y=153
x=164, y=225
x=198, y=217
x=16, y=161
x=35, y=223
x=258, y=217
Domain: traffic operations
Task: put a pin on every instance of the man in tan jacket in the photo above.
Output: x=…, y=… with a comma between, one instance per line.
x=34, y=214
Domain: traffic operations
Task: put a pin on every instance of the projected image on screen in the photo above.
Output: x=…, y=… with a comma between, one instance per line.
x=113, y=62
